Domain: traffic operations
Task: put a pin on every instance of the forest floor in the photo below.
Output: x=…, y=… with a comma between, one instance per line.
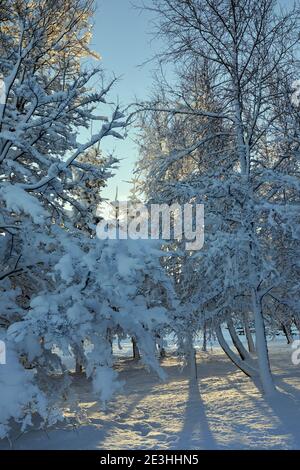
x=226, y=411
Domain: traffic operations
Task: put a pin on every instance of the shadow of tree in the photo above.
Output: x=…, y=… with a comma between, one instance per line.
x=195, y=431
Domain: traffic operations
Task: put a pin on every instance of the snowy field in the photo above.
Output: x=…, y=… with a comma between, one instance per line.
x=226, y=412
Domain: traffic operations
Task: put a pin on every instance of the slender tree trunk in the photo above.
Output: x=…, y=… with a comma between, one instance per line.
x=204, y=344
x=251, y=345
x=261, y=346
x=78, y=359
x=190, y=355
x=192, y=361
x=109, y=338
x=245, y=356
x=135, y=349
x=162, y=352
x=288, y=332
x=242, y=365
x=161, y=349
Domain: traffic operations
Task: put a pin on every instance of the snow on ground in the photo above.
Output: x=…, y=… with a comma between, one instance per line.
x=226, y=412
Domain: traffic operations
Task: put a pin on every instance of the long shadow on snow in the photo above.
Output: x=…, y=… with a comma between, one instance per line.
x=195, y=431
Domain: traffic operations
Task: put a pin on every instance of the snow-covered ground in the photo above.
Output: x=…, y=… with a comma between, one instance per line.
x=227, y=411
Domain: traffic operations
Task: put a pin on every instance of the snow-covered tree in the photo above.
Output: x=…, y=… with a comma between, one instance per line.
x=46, y=101
x=250, y=220
x=64, y=292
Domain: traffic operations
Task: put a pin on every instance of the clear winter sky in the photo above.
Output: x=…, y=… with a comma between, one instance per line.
x=122, y=38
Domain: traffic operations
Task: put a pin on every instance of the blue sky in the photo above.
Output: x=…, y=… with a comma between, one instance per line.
x=122, y=38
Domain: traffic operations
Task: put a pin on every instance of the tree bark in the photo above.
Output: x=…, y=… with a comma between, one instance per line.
x=204, y=344
x=261, y=346
x=242, y=365
x=192, y=363
x=135, y=349
x=78, y=359
x=288, y=332
x=251, y=345
x=190, y=355
x=245, y=356
x=162, y=352
x=161, y=349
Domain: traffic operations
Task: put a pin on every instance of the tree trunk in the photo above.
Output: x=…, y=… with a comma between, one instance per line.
x=135, y=349
x=251, y=345
x=192, y=363
x=261, y=346
x=161, y=349
x=242, y=365
x=78, y=359
x=162, y=352
x=109, y=338
x=190, y=355
x=245, y=356
x=204, y=344
x=288, y=332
